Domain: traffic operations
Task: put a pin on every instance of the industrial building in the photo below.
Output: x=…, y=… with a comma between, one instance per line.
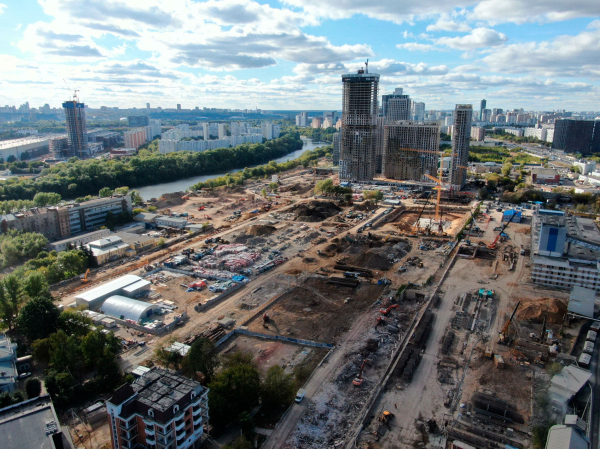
x=33, y=424
x=461, y=136
x=565, y=250
x=124, y=308
x=545, y=176
x=77, y=241
x=512, y=215
x=27, y=147
x=159, y=409
x=94, y=299
x=359, y=126
x=410, y=150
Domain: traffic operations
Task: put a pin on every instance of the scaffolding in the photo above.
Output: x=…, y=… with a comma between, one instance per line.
x=76, y=128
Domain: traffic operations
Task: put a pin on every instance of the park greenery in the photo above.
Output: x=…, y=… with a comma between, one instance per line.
x=502, y=155
x=501, y=135
x=327, y=188
x=77, y=178
x=320, y=134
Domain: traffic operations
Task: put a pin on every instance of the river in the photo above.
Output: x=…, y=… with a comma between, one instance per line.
x=156, y=190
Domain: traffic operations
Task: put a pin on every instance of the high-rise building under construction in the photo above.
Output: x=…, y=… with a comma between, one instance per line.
x=461, y=135
x=359, y=126
x=396, y=106
x=410, y=150
x=76, y=128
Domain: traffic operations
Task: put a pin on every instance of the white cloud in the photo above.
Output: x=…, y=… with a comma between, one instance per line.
x=446, y=23
x=520, y=11
x=2, y=8
x=407, y=35
x=478, y=38
x=594, y=25
x=415, y=46
x=577, y=55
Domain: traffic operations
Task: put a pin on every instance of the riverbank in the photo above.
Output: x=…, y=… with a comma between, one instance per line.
x=156, y=190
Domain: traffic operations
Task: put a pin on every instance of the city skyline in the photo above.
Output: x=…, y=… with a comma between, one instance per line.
x=279, y=55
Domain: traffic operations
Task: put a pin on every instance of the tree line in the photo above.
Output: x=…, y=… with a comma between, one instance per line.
x=77, y=178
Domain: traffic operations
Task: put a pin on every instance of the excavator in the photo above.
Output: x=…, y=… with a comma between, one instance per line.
x=358, y=381
x=85, y=279
x=494, y=244
x=504, y=338
x=387, y=311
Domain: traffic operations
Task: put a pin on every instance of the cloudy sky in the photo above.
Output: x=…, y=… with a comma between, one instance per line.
x=289, y=54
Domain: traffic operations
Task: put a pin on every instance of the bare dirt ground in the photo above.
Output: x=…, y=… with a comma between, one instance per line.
x=316, y=310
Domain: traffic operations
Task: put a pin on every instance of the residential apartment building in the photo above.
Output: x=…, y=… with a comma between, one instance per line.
x=396, y=106
x=135, y=138
x=159, y=410
x=477, y=133
x=302, y=119
x=222, y=130
x=565, y=250
x=317, y=122
x=62, y=222
x=577, y=136
x=76, y=128
x=8, y=365
x=410, y=150
x=461, y=136
x=169, y=146
x=335, y=154
x=138, y=120
x=418, y=111
x=359, y=126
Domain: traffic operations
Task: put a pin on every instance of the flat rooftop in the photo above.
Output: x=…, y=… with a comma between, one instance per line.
x=30, y=424
x=161, y=389
x=109, y=287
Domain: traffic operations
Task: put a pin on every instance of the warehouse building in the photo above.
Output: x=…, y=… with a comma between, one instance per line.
x=125, y=308
x=94, y=298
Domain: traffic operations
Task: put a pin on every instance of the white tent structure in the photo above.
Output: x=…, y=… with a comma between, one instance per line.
x=128, y=309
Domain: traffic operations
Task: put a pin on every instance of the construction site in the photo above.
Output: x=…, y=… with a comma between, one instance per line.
x=405, y=337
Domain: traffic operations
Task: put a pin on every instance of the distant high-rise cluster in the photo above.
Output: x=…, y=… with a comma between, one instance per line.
x=577, y=136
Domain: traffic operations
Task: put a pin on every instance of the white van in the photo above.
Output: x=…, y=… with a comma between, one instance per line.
x=300, y=395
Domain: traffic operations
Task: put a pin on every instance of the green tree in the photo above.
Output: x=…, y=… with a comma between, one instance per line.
x=240, y=443
x=136, y=198
x=373, y=195
x=33, y=387
x=35, y=285
x=121, y=190
x=506, y=169
x=65, y=352
x=202, y=358
x=273, y=186
x=73, y=322
x=11, y=299
x=38, y=318
x=575, y=169
x=263, y=192
x=42, y=199
x=105, y=192
x=278, y=389
x=234, y=390
x=324, y=187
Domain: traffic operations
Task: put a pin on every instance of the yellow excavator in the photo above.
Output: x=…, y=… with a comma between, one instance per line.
x=85, y=279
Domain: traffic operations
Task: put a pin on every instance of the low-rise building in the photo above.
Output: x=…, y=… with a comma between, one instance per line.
x=8, y=367
x=545, y=176
x=120, y=244
x=94, y=298
x=477, y=133
x=163, y=221
x=565, y=250
x=159, y=409
x=78, y=240
x=586, y=167
x=33, y=424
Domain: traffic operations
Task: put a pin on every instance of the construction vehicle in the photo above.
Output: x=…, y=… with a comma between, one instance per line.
x=201, y=208
x=385, y=417
x=504, y=338
x=493, y=245
x=85, y=277
x=380, y=320
x=358, y=381
x=418, y=221
x=266, y=318
x=387, y=311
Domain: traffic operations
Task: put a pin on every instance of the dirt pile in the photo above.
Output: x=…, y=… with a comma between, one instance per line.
x=169, y=200
x=259, y=230
x=365, y=206
x=536, y=309
x=377, y=258
x=315, y=211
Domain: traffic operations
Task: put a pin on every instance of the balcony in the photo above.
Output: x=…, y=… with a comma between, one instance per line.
x=150, y=439
x=197, y=421
x=196, y=401
x=128, y=425
x=179, y=425
x=128, y=436
x=197, y=411
x=149, y=431
x=180, y=434
x=148, y=420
